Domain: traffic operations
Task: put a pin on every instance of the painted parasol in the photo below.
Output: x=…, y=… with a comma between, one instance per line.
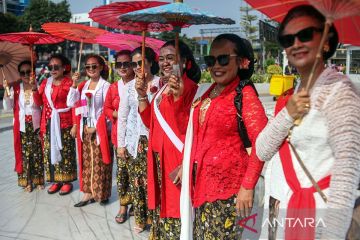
x=178, y=14
x=11, y=54
x=30, y=38
x=119, y=41
x=344, y=14
x=108, y=15
x=74, y=32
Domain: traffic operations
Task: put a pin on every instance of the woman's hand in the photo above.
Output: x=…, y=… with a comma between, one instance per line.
x=141, y=86
x=176, y=85
x=244, y=202
x=115, y=114
x=121, y=152
x=89, y=130
x=178, y=177
x=6, y=87
x=73, y=131
x=298, y=104
x=75, y=77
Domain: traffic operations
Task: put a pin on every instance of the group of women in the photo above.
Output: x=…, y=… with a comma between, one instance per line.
x=180, y=145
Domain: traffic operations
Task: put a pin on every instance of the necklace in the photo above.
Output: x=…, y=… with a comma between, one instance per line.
x=215, y=92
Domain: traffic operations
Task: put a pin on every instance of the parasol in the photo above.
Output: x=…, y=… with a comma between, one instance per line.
x=118, y=41
x=74, y=32
x=178, y=14
x=344, y=14
x=108, y=15
x=30, y=38
x=11, y=54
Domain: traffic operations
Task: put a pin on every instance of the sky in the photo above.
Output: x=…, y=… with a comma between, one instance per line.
x=222, y=8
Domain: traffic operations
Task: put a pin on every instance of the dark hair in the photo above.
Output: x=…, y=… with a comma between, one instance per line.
x=25, y=62
x=308, y=10
x=192, y=70
x=64, y=61
x=243, y=49
x=105, y=71
x=123, y=52
x=150, y=56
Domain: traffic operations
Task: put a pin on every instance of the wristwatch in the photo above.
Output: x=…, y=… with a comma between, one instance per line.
x=142, y=99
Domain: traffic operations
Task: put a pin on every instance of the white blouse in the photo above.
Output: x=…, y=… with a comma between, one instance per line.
x=97, y=103
x=129, y=118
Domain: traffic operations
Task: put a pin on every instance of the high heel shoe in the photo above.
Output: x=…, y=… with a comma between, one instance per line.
x=84, y=203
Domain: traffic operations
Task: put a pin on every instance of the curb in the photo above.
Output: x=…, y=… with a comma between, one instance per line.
x=4, y=129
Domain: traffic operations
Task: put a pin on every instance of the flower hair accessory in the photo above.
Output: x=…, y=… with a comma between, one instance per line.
x=244, y=63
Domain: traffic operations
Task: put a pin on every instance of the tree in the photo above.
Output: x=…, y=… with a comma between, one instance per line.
x=10, y=23
x=42, y=11
x=247, y=23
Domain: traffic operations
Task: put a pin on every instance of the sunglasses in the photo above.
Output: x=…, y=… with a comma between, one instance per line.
x=168, y=58
x=136, y=64
x=122, y=64
x=305, y=35
x=223, y=59
x=54, y=67
x=25, y=73
x=91, y=66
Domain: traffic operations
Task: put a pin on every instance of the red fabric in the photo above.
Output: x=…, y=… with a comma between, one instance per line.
x=16, y=131
x=223, y=165
x=101, y=129
x=28, y=118
x=111, y=104
x=176, y=115
x=58, y=96
x=302, y=203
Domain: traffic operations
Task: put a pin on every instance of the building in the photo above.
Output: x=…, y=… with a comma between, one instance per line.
x=15, y=7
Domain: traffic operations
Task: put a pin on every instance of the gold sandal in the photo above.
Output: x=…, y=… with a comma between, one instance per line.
x=28, y=188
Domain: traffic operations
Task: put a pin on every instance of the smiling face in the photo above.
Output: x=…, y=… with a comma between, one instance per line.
x=137, y=69
x=167, y=60
x=25, y=72
x=223, y=75
x=302, y=55
x=124, y=71
x=56, y=68
x=93, y=68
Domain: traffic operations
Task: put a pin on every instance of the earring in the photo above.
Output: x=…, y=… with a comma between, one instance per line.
x=326, y=48
x=184, y=66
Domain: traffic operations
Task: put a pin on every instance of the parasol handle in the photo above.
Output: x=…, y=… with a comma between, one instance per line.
x=80, y=53
x=32, y=63
x=176, y=47
x=7, y=89
x=143, y=54
x=324, y=37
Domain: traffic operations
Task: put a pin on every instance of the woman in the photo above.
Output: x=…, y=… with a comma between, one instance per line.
x=166, y=115
x=57, y=126
x=132, y=143
x=111, y=107
x=326, y=141
x=95, y=166
x=226, y=121
x=29, y=163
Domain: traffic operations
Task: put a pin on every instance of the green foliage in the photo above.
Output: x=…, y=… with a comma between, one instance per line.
x=10, y=23
x=247, y=23
x=206, y=77
x=260, y=78
x=269, y=61
x=274, y=69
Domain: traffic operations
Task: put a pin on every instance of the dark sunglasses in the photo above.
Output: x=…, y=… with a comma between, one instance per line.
x=168, y=57
x=54, y=67
x=136, y=64
x=25, y=73
x=91, y=66
x=304, y=35
x=223, y=60
x=122, y=64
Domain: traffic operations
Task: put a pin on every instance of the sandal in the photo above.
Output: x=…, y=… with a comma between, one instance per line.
x=40, y=187
x=138, y=229
x=121, y=218
x=131, y=211
x=28, y=188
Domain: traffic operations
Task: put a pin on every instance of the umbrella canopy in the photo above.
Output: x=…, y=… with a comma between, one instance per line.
x=30, y=38
x=344, y=14
x=74, y=32
x=11, y=54
x=177, y=14
x=108, y=15
x=119, y=42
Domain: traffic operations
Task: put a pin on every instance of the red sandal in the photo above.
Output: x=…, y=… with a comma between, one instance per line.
x=66, y=189
x=54, y=188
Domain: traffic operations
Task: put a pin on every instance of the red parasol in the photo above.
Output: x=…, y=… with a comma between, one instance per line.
x=30, y=38
x=74, y=32
x=108, y=15
x=118, y=41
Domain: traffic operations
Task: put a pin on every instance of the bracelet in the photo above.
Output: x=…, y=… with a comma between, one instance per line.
x=142, y=99
x=34, y=89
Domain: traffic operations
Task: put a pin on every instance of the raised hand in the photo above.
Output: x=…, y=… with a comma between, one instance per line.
x=141, y=86
x=75, y=77
x=176, y=86
x=299, y=104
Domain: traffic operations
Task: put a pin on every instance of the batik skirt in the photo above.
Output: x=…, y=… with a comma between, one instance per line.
x=96, y=175
x=32, y=157
x=123, y=181
x=64, y=171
